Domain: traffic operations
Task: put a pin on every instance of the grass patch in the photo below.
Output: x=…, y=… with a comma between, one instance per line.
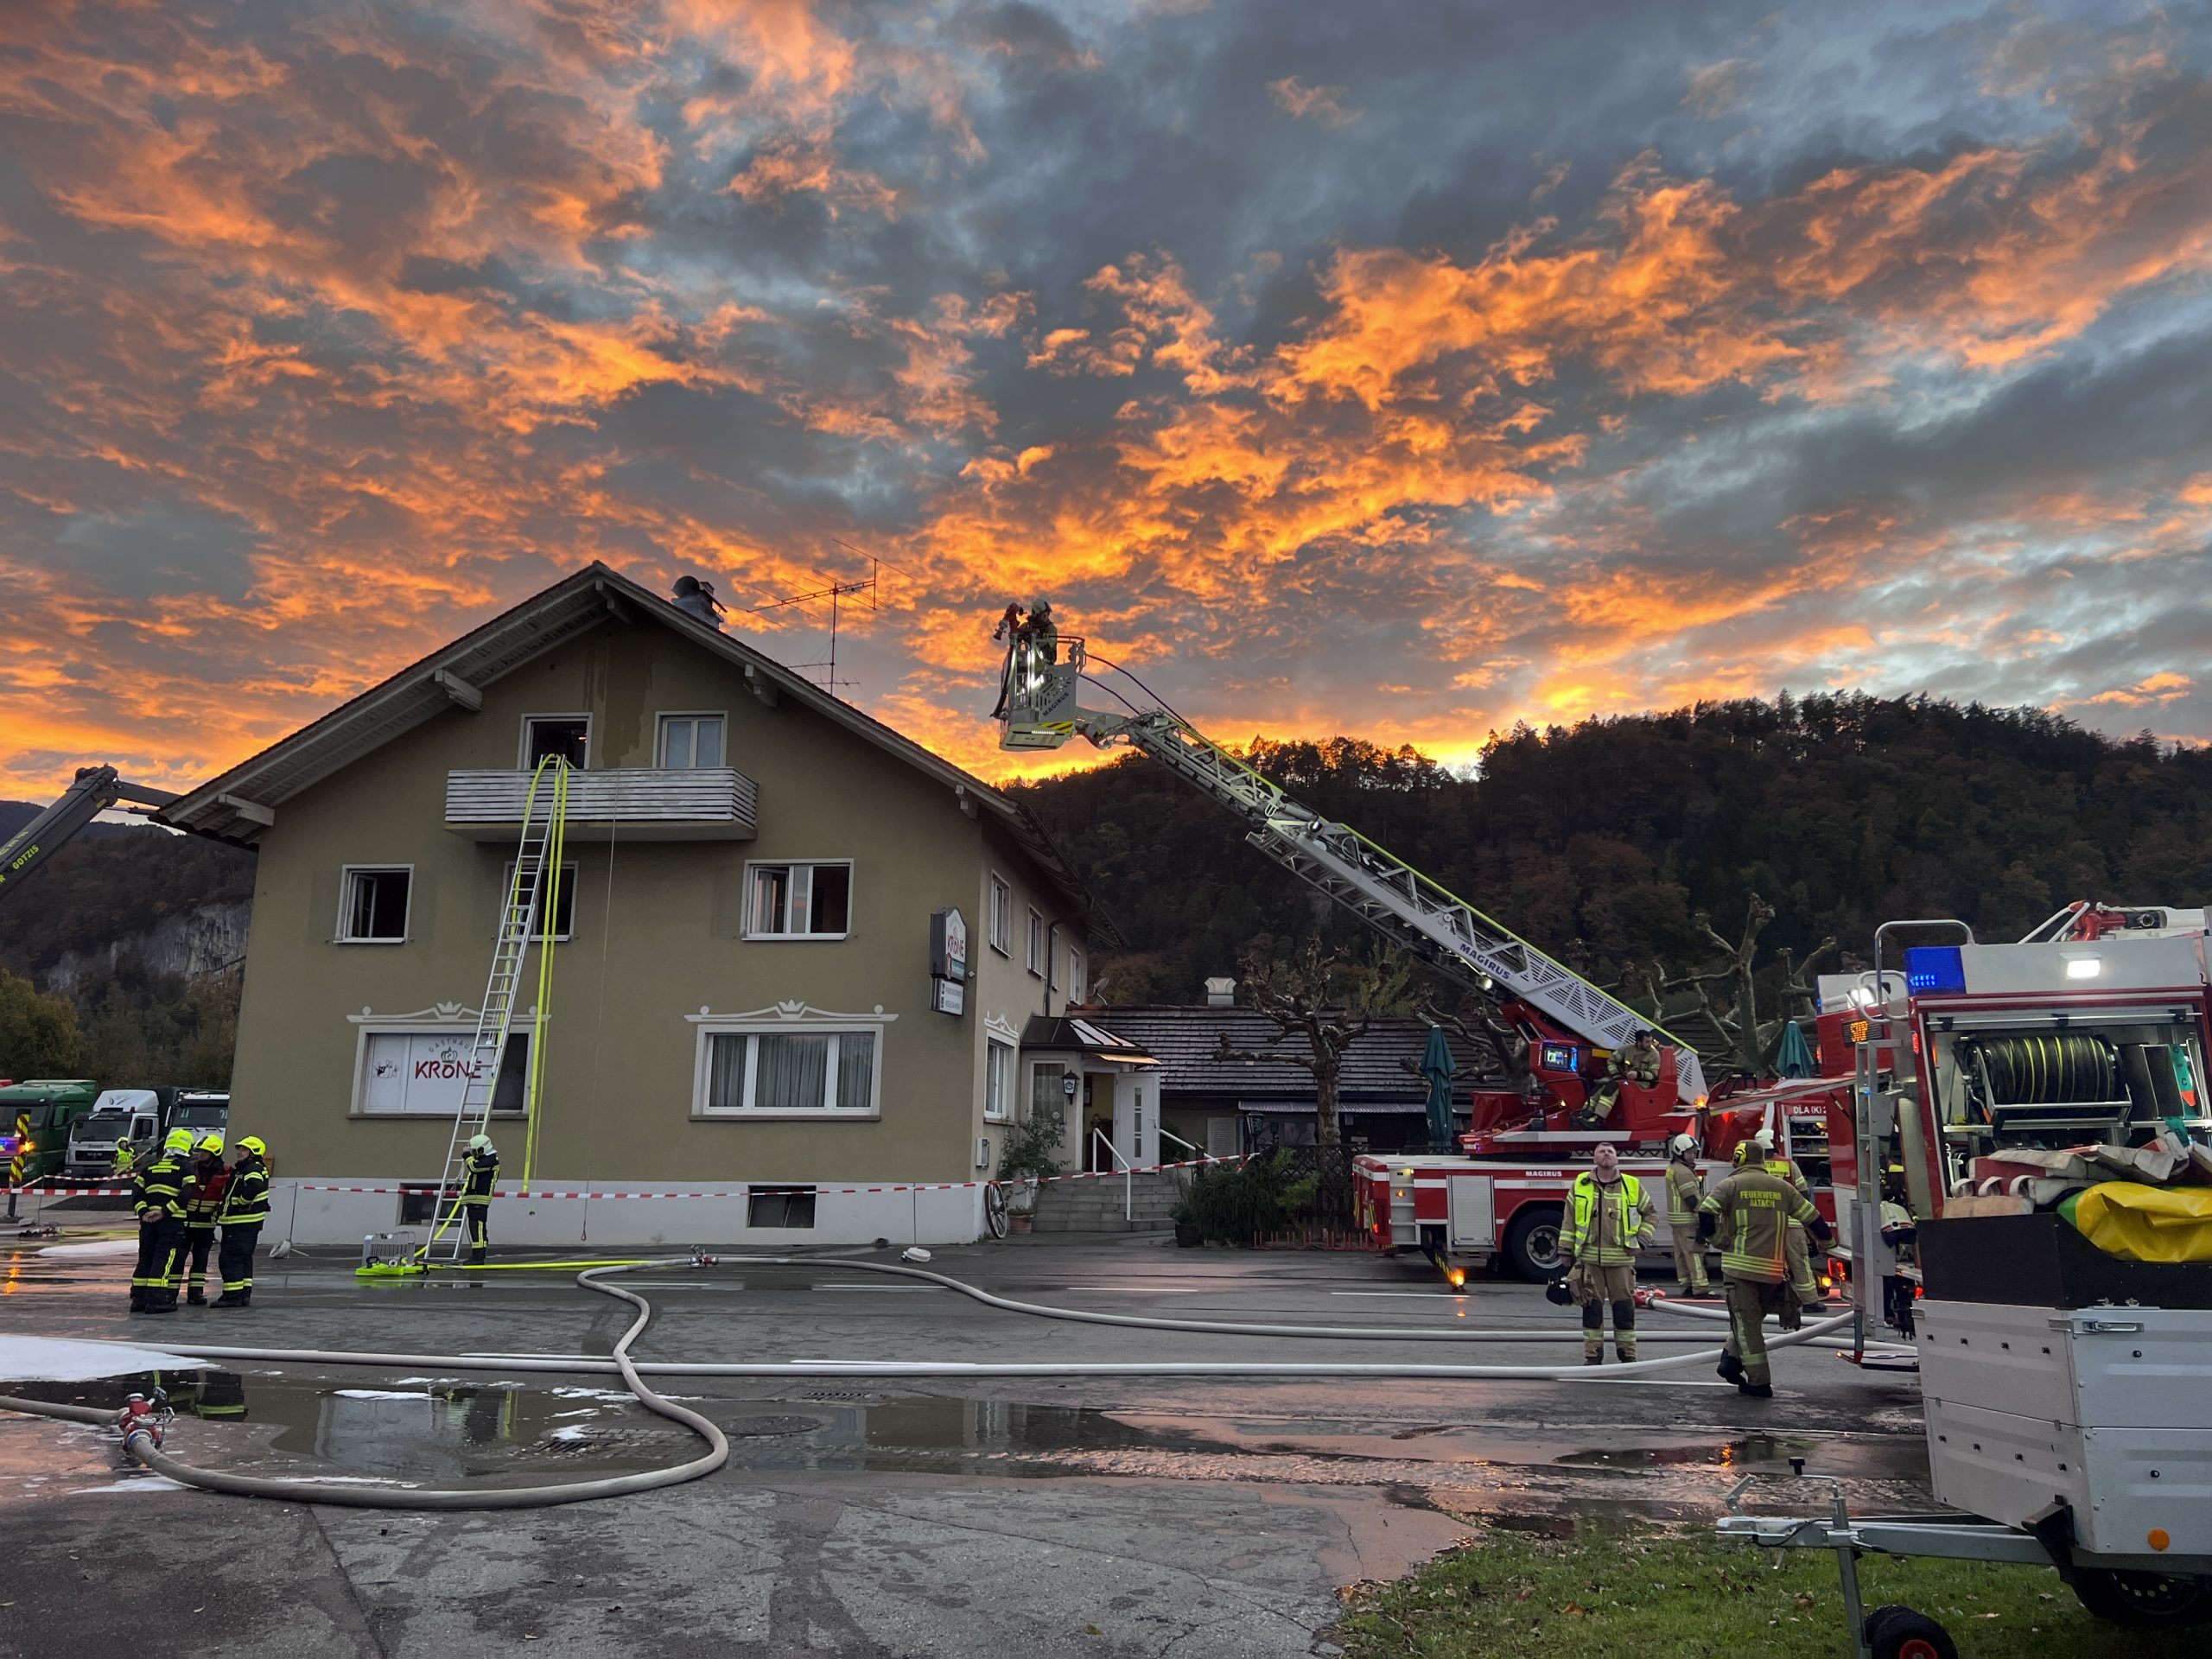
x=1654, y=1595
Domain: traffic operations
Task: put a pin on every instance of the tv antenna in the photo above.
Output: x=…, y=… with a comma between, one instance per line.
x=837, y=592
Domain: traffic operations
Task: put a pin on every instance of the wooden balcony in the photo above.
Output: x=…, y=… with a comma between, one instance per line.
x=626, y=804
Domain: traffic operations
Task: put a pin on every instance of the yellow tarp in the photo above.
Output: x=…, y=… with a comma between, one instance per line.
x=2146, y=1223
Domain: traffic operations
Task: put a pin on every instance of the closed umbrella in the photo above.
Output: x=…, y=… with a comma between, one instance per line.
x=1794, y=1058
x=1436, y=1064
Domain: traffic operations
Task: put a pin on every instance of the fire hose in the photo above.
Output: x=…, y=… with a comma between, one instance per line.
x=142, y=1442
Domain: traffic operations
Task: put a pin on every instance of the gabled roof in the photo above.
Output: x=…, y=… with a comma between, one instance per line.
x=234, y=807
x=1186, y=1041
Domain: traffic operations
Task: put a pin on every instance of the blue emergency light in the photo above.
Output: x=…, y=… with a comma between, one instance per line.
x=1933, y=967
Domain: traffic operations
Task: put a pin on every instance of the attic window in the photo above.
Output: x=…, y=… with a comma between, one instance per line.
x=568, y=736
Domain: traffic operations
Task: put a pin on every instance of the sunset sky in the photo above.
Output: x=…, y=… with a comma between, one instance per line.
x=1402, y=370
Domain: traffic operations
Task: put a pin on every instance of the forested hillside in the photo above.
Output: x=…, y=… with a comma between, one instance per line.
x=1602, y=842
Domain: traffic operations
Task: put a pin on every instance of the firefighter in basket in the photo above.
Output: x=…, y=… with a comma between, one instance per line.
x=1639, y=1058
x=1609, y=1214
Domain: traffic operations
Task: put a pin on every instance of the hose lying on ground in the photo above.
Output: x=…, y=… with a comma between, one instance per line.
x=139, y=1443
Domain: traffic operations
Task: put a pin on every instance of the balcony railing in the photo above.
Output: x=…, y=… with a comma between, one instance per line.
x=631, y=803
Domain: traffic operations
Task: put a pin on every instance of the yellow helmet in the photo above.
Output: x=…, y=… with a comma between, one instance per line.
x=254, y=1144
x=177, y=1140
x=210, y=1142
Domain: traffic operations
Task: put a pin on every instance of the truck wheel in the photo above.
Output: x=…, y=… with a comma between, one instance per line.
x=2126, y=1598
x=1900, y=1633
x=1532, y=1243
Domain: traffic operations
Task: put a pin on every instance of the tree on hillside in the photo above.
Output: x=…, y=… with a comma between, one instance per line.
x=1322, y=1001
x=1724, y=995
x=38, y=1033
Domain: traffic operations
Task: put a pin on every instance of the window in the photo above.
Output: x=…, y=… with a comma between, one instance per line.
x=998, y=1081
x=1001, y=918
x=779, y=1206
x=688, y=740
x=1074, y=975
x=568, y=736
x=372, y=907
x=791, y=1072
x=1048, y=1086
x=1036, y=951
x=422, y=1073
x=564, y=900
x=791, y=901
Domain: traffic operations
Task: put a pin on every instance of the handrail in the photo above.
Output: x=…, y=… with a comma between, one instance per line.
x=1170, y=1134
x=1127, y=1169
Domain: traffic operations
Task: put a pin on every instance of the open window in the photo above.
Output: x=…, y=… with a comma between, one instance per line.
x=566, y=736
x=564, y=901
x=799, y=901
x=374, y=903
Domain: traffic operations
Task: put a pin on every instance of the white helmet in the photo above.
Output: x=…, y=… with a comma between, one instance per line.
x=480, y=1143
x=1681, y=1144
x=1764, y=1139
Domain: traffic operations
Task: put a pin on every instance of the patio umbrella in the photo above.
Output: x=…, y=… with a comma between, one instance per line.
x=1436, y=1066
x=1794, y=1058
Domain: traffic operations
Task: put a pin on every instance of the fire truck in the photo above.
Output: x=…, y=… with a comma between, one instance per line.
x=1502, y=1198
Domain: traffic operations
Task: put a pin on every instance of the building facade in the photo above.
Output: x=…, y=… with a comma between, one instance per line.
x=741, y=1002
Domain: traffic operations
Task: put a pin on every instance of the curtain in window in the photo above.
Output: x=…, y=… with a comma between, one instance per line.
x=856, y=1072
x=726, y=1073
x=793, y=1073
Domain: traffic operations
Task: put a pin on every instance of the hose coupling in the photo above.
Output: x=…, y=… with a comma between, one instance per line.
x=140, y=1415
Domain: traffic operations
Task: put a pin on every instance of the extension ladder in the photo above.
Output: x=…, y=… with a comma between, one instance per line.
x=531, y=904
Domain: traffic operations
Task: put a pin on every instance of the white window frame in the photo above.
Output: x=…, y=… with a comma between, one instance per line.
x=429, y=1023
x=1010, y=1103
x=752, y=932
x=999, y=916
x=345, y=874
x=506, y=890
x=803, y=1022
x=1033, y=948
x=660, y=737
x=1075, y=974
x=522, y=736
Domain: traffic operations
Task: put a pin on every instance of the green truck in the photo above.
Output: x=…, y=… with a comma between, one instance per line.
x=48, y=1107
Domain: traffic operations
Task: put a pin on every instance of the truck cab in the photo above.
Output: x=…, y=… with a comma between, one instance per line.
x=49, y=1108
x=131, y=1114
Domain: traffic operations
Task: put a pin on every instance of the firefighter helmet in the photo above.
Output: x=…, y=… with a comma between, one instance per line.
x=177, y=1140
x=1557, y=1292
x=254, y=1144
x=480, y=1143
x=210, y=1142
x=1681, y=1144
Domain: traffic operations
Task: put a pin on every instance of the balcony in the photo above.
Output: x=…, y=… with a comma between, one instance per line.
x=626, y=804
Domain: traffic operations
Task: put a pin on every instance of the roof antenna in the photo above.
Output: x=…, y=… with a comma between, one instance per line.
x=696, y=598
x=863, y=591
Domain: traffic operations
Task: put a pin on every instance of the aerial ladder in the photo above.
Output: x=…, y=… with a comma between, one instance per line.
x=97, y=790
x=1041, y=708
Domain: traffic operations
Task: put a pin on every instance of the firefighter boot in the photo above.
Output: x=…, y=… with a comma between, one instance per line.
x=1731, y=1369
x=230, y=1299
x=1625, y=1352
x=196, y=1296
x=476, y=1256
x=1754, y=1390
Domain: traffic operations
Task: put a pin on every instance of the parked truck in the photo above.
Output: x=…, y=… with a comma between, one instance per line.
x=47, y=1108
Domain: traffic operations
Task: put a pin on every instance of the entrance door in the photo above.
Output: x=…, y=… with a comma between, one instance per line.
x=1097, y=1114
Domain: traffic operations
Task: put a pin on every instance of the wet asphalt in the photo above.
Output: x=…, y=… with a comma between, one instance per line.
x=860, y=1515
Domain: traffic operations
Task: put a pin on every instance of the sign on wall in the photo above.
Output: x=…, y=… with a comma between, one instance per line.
x=425, y=1071
x=948, y=962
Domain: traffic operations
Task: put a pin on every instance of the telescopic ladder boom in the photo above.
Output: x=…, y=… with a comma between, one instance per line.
x=543, y=810
x=95, y=790
x=1435, y=924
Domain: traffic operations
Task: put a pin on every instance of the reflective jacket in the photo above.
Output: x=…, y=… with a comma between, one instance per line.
x=1754, y=1210
x=245, y=1195
x=1684, y=1191
x=125, y=1158
x=1604, y=1224
x=203, y=1199
x=483, y=1171
x=158, y=1184
x=1788, y=1170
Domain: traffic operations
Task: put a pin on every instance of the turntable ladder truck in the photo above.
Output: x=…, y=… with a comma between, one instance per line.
x=1503, y=1198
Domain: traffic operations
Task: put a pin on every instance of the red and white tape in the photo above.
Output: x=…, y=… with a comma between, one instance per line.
x=907, y=1186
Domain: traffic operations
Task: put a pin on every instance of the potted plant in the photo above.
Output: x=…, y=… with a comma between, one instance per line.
x=1032, y=1156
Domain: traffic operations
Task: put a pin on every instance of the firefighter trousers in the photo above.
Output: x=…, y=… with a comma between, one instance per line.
x=1750, y=1300
x=239, y=1240
x=198, y=1244
x=1598, y=1288
x=153, y=1281
x=476, y=1214
x=1689, y=1256
x=1797, y=1253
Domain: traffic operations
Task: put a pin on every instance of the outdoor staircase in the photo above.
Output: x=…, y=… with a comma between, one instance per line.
x=1095, y=1206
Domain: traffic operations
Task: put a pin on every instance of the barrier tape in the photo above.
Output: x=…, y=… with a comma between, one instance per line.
x=909, y=1186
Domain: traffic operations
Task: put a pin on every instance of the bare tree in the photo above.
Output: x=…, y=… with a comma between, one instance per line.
x=1725, y=996
x=1328, y=999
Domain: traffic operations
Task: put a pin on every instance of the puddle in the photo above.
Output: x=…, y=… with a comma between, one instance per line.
x=1728, y=1454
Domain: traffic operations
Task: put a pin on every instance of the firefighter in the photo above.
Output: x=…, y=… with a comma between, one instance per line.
x=1044, y=632
x=1801, y=1282
x=157, y=1195
x=203, y=1201
x=125, y=1158
x=1011, y=630
x=245, y=1206
x=1684, y=1191
x=1639, y=1058
x=1608, y=1215
x=1751, y=1211
x=482, y=1167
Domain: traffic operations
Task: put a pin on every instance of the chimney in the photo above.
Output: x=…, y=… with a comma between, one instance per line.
x=1221, y=993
